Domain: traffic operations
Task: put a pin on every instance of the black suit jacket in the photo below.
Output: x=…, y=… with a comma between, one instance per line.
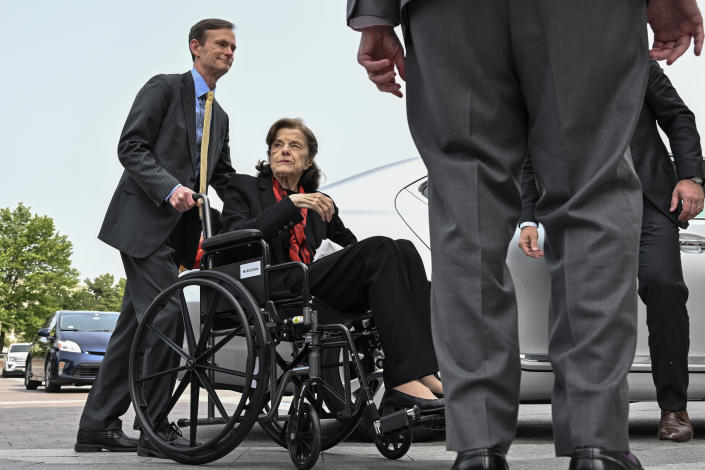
x=157, y=147
x=249, y=202
x=652, y=162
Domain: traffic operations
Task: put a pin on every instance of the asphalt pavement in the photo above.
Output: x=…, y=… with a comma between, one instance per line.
x=38, y=429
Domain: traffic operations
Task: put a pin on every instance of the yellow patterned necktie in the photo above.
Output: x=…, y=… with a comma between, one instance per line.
x=203, y=172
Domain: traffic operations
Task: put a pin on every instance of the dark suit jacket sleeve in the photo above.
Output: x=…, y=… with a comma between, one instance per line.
x=337, y=232
x=677, y=121
x=387, y=9
x=529, y=191
x=139, y=134
x=243, y=209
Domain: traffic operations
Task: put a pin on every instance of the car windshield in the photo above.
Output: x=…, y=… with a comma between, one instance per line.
x=15, y=348
x=88, y=322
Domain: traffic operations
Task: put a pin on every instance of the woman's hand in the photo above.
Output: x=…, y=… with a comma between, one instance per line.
x=316, y=201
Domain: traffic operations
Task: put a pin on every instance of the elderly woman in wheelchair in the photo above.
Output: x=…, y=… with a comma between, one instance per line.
x=384, y=275
x=273, y=319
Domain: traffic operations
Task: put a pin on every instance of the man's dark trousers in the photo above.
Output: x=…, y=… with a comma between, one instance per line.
x=487, y=82
x=146, y=278
x=663, y=290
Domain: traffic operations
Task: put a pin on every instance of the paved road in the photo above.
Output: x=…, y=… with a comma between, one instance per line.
x=38, y=429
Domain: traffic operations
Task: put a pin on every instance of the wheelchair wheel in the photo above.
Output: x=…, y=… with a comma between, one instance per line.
x=303, y=437
x=178, y=348
x=394, y=445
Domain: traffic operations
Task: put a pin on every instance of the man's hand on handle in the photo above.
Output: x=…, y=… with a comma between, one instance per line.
x=181, y=199
x=692, y=196
x=380, y=51
x=675, y=23
x=529, y=242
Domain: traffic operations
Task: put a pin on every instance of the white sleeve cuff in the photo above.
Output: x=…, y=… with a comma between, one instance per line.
x=361, y=22
x=528, y=224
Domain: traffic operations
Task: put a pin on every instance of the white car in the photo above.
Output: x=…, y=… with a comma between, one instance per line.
x=391, y=200
x=16, y=357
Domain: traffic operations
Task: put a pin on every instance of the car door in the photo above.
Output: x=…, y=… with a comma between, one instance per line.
x=41, y=349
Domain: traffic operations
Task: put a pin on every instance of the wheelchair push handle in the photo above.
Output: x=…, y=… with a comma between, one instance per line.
x=206, y=213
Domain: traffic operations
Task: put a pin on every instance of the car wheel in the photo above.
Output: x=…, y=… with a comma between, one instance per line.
x=28, y=383
x=50, y=386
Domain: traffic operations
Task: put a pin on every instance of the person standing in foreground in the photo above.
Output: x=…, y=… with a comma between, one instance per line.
x=489, y=81
x=151, y=218
x=661, y=284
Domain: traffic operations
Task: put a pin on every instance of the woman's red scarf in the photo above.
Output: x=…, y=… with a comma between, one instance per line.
x=298, y=248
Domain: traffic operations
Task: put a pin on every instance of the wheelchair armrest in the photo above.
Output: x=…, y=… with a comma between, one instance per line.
x=225, y=240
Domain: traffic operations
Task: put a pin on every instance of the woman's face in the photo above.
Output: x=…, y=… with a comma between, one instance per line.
x=288, y=155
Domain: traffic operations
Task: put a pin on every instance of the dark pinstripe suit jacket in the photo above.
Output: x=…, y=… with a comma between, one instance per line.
x=158, y=150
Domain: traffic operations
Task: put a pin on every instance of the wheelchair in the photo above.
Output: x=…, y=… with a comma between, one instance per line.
x=249, y=355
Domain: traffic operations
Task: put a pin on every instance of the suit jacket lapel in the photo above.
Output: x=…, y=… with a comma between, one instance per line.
x=267, y=199
x=188, y=103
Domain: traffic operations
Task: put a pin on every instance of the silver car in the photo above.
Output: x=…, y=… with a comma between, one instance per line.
x=15, y=361
x=391, y=200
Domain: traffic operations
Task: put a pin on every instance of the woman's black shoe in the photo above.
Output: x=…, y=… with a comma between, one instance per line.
x=396, y=399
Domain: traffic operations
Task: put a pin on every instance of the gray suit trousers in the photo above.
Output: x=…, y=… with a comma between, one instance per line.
x=487, y=82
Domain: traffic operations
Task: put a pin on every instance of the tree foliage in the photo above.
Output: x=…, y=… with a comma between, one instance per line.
x=35, y=270
x=36, y=277
x=102, y=294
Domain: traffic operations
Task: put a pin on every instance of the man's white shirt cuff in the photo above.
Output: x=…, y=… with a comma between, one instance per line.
x=528, y=224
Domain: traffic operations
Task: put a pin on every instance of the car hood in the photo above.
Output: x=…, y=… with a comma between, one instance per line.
x=94, y=341
x=20, y=356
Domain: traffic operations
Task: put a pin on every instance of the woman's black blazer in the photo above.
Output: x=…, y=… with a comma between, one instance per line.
x=250, y=203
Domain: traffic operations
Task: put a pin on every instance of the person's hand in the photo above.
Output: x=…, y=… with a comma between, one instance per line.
x=380, y=50
x=692, y=196
x=674, y=23
x=316, y=201
x=181, y=199
x=529, y=242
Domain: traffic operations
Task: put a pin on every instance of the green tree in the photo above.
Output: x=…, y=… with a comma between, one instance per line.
x=35, y=270
x=101, y=294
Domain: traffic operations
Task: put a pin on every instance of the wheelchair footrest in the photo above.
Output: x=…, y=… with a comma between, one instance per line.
x=399, y=419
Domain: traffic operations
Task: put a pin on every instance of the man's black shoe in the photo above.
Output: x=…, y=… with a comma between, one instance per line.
x=597, y=458
x=480, y=459
x=396, y=399
x=114, y=440
x=171, y=435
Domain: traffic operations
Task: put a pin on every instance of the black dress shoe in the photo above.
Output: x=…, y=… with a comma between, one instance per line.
x=480, y=459
x=171, y=435
x=597, y=458
x=88, y=440
x=396, y=399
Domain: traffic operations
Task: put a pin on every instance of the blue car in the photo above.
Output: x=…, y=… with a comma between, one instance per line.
x=68, y=349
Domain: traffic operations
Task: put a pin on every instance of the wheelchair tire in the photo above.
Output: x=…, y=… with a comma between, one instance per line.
x=227, y=313
x=394, y=445
x=303, y=437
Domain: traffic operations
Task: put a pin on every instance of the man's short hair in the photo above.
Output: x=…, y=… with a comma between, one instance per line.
x=200, y=29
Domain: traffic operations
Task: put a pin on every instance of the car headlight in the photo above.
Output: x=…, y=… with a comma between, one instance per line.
x=68, y=346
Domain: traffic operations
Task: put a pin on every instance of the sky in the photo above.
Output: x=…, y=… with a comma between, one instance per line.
x=73, y=68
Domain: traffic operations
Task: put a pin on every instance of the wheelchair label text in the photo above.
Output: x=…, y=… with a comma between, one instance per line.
x=250, y=270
